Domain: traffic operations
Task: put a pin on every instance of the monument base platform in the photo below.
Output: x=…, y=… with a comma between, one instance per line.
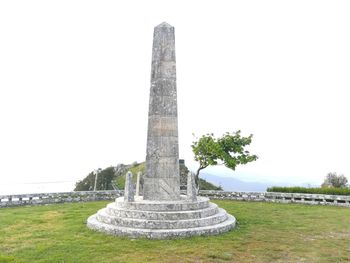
x=162, y=219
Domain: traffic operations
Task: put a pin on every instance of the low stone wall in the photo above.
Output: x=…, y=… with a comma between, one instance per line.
x=54, y=198
x=312, y=199
x=70, y=197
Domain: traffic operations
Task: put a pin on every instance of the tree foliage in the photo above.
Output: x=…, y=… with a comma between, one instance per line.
x=87, y=184
x=228, y=150
x=104, y=181
x=116, y=176
x=205, y=185
x=307, y=190
x=334, y=180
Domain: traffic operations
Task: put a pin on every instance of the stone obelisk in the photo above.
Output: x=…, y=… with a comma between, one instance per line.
x=161, y=212
x=162, y=178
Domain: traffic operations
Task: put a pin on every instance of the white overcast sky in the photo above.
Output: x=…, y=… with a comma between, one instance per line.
x=75, y=79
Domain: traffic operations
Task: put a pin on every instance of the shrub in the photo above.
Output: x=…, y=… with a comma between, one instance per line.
x=334, y=180
x=305, y=190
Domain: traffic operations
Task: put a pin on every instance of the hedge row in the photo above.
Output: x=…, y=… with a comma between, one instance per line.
x=304, y=190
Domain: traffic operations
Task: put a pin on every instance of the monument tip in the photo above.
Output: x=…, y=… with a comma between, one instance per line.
x=164, y=24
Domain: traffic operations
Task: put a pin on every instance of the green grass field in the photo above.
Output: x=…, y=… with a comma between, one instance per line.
x=266, y=232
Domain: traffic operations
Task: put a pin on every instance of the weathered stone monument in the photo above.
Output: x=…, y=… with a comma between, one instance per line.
x=161, y=212
x=162, y=180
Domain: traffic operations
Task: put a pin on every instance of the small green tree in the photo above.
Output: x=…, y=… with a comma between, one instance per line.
x=228, y=150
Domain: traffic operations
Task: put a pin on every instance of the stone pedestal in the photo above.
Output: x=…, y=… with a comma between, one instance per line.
x=162, y=219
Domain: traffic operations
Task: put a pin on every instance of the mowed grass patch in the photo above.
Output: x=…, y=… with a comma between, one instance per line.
x=266, y=232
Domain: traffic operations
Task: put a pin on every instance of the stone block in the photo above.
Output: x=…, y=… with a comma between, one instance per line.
x=129, y=188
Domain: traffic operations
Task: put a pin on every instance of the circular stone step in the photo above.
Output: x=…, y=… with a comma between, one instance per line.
x=103, y=217
x=113, y=210
x=216, y=229
x=149, y=205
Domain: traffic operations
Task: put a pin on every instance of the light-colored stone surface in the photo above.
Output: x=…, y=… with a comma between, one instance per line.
x=150, y=205
x=55, y=198
x=191, y=187
x=138, y=178
x=129, y=188
x=87, y=196
x=111, y=229
x=162, y=180
x=162, y=215
x=104, y=217
x=298, y=198
x=162, y=219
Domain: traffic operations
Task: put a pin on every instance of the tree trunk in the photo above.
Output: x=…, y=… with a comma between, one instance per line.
x=196, y=177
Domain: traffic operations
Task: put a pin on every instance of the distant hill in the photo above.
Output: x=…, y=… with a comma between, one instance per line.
x=233, y=184
x=114, y=178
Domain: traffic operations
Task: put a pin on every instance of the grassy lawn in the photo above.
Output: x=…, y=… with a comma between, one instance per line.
x=266, y=232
